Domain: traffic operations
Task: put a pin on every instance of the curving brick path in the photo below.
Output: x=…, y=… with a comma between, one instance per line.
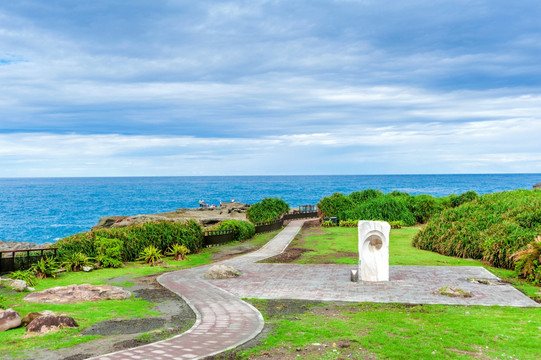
x=224, y=321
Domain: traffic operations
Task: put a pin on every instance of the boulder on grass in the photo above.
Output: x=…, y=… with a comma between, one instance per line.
x=9, y=319
x=18, y=285
x=221, y=272
x=77, y=293
x=48, y=323
x=28, y=318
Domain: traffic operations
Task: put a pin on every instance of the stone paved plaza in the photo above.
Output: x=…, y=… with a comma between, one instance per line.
x=224, y=321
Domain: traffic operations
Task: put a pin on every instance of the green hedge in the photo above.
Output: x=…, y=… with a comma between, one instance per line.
x=386, y=207
x=372, y=204
x=243, y=230
x=267, y=210
x=491, y=227
x=137, y=237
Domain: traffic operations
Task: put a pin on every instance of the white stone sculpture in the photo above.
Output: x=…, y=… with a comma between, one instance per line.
x=374, y=250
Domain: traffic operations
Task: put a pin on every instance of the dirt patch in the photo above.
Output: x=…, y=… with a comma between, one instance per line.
x=289, y=255
x=232, y=251
x=328, y=259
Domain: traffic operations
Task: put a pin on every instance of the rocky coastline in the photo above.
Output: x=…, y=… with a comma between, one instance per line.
x=21, y=245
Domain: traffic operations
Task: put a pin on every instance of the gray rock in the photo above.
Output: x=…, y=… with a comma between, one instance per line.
x=78, y=293
x=9, y=319
x=48, y=323
x=537, y=186
x=221, y=272
x=18, y=285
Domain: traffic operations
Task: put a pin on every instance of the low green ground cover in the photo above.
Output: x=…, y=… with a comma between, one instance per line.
x=399, y=331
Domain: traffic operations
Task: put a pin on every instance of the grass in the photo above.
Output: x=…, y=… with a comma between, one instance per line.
x=398, y=331
x=13, y=343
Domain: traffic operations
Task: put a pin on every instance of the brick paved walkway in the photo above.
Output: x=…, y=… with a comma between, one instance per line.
x=224, y=321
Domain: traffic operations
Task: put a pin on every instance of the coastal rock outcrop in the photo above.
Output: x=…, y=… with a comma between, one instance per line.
x=77, y=293
x=206, y=216
x=21, y=245
x=9, y=319
x=537, y=186
x=48, y=323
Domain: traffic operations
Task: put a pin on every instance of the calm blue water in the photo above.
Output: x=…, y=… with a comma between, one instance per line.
x=46, y=209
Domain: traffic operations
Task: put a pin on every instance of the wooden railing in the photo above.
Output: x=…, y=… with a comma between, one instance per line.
x=12, y=260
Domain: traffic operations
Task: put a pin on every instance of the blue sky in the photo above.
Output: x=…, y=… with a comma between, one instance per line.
x=129, y=88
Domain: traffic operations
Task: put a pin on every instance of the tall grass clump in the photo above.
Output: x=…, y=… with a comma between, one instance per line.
x=242, y=230
x=387, y=208
x=136, y=238
x=372, y=204
x=491, y=227
x=267, y=210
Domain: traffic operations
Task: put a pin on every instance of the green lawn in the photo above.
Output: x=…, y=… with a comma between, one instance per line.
x=398, y=331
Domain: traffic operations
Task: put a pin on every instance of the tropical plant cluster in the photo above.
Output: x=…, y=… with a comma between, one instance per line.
x=129, y=242
x=242, y=230
x=397, y=207
x=492, y=227
x=267, y=210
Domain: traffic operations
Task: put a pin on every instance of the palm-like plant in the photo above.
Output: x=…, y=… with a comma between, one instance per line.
x=150, y=255
x=178, y=252
x=45, y=267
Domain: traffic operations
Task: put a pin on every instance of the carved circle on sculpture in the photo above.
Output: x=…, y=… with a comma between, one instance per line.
x=375, y=242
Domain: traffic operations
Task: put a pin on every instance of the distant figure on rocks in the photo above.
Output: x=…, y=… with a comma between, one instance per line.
x=200, y=203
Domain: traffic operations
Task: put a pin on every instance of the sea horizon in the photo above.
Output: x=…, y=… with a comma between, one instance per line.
x=45, y=209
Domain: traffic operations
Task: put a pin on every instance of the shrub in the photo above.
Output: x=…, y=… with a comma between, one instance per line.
x=178, y=252
x=76, y=261
x=267, y=210
x=136, y=238
x=358, y=197
x=242, y=229
x=348, y=223
x=396, y=224
x=491, y=228
x=463, y=198
x=150, y=255
x=528, y=261
x=328, y=224
x=331, y=206
x=2, y=302
x=26, y=275
x=45, y=267
x=109, y=252
x=423, y=207
x=386, y=208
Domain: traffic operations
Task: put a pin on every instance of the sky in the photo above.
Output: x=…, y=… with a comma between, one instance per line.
x=256, y=87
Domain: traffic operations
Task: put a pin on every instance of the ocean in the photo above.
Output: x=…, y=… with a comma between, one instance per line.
x=43, y=210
